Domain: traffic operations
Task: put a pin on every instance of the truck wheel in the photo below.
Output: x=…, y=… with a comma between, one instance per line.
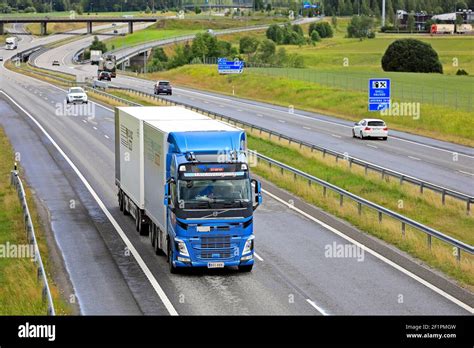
x=245, y=268
x=120, y=201
x=141, y=227
x=171, y=267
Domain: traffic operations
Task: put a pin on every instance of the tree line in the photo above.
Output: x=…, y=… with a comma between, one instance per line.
x=328, y=7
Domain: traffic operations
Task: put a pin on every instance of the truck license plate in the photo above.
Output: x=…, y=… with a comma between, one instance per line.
x=215, y=265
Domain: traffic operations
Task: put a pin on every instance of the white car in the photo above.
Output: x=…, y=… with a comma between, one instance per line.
x=370, y=128
x=76, y=95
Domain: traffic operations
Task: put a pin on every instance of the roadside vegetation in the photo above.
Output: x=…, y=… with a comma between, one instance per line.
x=54, y=28
x=20, y=289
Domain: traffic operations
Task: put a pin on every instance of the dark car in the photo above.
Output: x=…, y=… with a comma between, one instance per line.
x=163, y=87
x=104, y=75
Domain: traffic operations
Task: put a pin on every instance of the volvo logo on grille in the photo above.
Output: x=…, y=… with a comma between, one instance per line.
x=215, y=213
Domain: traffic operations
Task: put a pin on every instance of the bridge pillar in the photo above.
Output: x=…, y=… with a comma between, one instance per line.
x=44, y=28
x=2, y=30
x=130, y=27
x=89, y=27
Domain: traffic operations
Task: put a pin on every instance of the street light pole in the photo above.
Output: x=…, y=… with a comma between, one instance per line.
x=383, y=13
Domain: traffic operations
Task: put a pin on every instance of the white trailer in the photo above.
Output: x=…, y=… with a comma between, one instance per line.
x=95, y=57
x=11, y=43
x=129, y=145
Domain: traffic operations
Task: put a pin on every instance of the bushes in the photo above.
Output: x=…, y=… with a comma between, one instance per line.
x=287, y=35
x=360, y=27
x=98, y=45
x=462, y=72
x=315, y=36
x=410, y=55
x=324, y=29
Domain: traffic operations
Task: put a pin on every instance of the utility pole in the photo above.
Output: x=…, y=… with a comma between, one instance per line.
x=383, y=13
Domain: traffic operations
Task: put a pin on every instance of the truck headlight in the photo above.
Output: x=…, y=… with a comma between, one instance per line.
x=248, y=247
x=181, y=246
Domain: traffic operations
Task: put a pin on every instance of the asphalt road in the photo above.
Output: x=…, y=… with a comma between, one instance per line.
x=442, y=163
x=293, y=274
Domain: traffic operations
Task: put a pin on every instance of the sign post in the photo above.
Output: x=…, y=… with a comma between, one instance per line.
x=379, y=94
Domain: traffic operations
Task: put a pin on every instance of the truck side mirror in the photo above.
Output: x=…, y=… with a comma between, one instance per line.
x=258, y=193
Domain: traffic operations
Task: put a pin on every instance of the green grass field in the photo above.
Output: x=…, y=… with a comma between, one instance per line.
x=434, y=121
x=20, y=291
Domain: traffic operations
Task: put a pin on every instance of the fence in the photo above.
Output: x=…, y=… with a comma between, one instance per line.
x=456, y=98
x=46, y=292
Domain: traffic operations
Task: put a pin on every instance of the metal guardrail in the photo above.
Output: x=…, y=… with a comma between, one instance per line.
x=46, y=292
x=111, y=96
x=385, y=172
x=430, y=232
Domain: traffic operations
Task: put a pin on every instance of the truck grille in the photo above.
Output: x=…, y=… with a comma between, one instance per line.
x=215, y=242
x=215, y=248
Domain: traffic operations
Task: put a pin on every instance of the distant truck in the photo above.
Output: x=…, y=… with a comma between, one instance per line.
x=108, y=63
x=95, y=57
x=464, y=28
x=442, y=29
x=185, y=179
x=11, y=43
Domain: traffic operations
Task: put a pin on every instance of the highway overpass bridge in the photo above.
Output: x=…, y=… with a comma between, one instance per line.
x=44, y=22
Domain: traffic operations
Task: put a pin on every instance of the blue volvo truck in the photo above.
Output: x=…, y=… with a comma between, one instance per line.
x=185, y=179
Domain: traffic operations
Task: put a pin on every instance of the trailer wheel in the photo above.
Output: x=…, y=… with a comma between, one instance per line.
x=141, y=227
x=245, y=268
x=120, y=201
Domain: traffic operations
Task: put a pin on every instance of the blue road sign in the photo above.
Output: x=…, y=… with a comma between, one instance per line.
x=225, y=66
x=379, y=94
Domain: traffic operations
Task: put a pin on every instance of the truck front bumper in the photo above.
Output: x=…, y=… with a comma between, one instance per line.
x=205, y=264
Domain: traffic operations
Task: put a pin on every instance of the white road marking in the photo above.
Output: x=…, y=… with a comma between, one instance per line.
x=336, y=136
x=414, y=158
x=281, y=121
x=257, y=256
x=376, y=254
x=154, y=283
x=319, y=309
x=462, y=171
x=370, y=145
x=95, y=128
x=106, y=136
x=85, y=121
x=307, y=128
x=259, y=115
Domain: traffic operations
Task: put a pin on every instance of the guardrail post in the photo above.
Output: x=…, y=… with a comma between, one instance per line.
x=324, y=153
x=380, y=217
x=443, y=196
x=359, y=208
x=421, y=187
x=365, y=168
x=458, y=254
x=383, y=174
x=403, y=229
x=428, y=237
x=468, y=207
x=341, y=200
x=324, y=191
x=401, y=179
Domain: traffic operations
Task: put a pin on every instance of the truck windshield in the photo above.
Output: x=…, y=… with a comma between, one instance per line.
x=214, y=193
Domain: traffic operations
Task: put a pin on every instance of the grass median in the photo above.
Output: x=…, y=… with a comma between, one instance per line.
x=20, y=289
